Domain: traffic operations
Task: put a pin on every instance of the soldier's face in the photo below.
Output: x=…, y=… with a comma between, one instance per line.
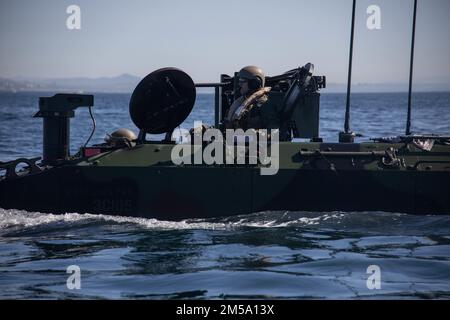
x=243, y=84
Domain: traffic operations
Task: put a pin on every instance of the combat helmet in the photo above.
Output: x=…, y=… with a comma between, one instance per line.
x=121, y=137
x=254, y=74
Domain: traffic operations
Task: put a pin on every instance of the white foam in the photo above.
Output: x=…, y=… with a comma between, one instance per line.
x=12, y=218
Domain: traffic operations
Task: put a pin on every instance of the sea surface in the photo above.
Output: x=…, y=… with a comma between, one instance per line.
x=288, y=255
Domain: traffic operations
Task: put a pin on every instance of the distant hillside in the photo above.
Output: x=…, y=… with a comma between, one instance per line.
x=126, y=83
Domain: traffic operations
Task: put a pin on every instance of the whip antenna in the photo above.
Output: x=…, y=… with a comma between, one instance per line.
x=411, y=67
x=347, y=135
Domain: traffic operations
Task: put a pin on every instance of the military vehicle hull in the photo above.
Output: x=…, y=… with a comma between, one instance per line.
x=142, y=181
x=137, y=177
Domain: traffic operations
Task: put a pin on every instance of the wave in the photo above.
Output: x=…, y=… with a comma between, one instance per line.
x=367, y=222
x=20, y=218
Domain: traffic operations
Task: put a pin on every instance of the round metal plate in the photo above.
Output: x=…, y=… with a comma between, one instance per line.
x=162, y=100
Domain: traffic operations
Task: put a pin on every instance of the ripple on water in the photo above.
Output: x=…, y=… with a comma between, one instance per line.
x=267, y=254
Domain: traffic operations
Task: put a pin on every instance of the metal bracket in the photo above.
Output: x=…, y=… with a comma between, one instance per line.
x=11, y=166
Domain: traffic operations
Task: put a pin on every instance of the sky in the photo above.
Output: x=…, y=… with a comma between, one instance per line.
x=206, y=38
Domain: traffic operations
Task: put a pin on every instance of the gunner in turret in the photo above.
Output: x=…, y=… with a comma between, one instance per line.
x=245, y=111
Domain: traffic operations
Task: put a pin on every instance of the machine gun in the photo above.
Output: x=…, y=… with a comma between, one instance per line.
x=303, y=74
x=299, y=111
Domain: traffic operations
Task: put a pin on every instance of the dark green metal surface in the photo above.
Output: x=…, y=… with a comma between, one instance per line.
x=313, y=176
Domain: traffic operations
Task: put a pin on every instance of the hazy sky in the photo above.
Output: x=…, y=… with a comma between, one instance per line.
x=206, y=38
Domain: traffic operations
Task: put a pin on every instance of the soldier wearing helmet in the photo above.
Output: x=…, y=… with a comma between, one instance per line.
x=245, y=111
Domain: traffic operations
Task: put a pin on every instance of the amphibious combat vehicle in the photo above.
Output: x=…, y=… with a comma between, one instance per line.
x=409, y=174
x=137, y=177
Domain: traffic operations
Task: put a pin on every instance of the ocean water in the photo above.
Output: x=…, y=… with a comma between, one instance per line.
x=289, y=255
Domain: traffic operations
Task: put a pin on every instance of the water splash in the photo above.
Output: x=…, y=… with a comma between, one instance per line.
x=19, y=218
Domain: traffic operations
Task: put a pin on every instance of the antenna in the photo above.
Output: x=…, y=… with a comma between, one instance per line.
x=347, y=135
x=411, y=67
